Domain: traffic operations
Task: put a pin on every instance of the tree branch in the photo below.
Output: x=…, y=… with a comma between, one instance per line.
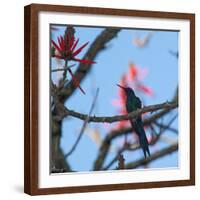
x=62, y=69
x=132, y=115
x=84, y=126
x=129, y=147
x=121, y=162
x=156, y=155
x=166, y=126
x=105, y=146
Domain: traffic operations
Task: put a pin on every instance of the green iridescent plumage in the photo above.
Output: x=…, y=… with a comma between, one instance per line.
x=132, y=104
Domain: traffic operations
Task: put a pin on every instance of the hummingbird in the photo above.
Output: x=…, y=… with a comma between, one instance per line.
x=132, y=104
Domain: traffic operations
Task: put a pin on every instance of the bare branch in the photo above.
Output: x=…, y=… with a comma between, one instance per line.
x=166, y=126
x=135, y=114
x=105, y=146
x=120, y=151
x=121, y=162
x=156, y=155
x=129, y=147
x=62, y=69
x=84, y=125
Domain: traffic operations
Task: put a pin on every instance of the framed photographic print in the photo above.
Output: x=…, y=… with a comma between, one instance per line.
x=109, y=99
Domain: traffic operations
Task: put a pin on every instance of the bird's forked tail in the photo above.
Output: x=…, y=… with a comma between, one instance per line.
x=144, y=144
x=138, y=127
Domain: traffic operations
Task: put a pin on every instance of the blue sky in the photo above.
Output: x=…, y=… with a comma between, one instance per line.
x=111, y=63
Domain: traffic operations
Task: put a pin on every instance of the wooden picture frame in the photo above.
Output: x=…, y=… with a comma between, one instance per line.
x=32, y=108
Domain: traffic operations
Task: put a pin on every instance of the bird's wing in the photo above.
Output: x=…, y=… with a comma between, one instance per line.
x=138, y=102
x=139, y=105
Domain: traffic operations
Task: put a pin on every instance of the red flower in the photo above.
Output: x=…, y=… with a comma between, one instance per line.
x=122, y=94
x=133, y=72
x=75, y=81
x=66, y=49
x=145, y=89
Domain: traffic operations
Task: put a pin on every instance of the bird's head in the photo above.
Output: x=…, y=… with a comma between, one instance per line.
x=129, y=91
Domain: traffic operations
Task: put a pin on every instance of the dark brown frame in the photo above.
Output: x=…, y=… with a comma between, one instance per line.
x=31, y=98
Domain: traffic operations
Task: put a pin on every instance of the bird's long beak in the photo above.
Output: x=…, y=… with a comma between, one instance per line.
x=121, y=86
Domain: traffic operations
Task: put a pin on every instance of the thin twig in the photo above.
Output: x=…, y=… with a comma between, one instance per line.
x=121, y=162
x=84, y=125
x=174, y=53
x=165, y=151
x=65, y=71
x=120, y=151
x=62, y=69
x=166, y=126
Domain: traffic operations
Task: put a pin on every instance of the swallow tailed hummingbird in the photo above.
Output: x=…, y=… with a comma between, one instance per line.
x=132, y=104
